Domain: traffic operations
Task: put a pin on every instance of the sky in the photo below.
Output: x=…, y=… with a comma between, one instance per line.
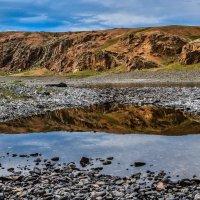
x=80, y=15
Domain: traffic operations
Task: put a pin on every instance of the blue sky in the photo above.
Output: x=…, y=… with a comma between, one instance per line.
x=77, y=15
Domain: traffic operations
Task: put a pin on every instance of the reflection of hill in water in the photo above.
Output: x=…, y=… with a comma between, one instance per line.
x=109, y=118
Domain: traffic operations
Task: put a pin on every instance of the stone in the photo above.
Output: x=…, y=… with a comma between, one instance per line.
x=84, y=161
x=106, y=162
x=161, y=186
x=37, y=170
x=56, y=85
x=139, y=164
x=55, y=159
x=197, y=196
x=38, y=160
x=94, y=195
x=34, y=154
x=1, y=196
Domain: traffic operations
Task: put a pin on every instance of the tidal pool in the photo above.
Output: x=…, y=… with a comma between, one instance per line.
x=178, y=155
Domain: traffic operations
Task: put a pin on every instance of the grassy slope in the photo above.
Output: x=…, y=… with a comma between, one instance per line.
x=87, y=73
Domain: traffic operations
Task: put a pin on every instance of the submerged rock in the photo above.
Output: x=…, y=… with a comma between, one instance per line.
x=84, y=161
x=106, y=162
x=139, y=164
x=55, y=159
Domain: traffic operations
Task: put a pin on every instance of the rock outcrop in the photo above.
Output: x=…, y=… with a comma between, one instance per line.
x=96, y=50
x=139, y=63
x=191, y=53
x=100, y=60
x=154, y=43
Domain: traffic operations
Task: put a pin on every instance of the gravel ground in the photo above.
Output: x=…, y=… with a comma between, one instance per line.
x=65, y=181
x=159, y=77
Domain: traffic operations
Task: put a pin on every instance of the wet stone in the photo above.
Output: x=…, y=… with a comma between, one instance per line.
x=55, y=159
x=139, y=164
x=106, y=162
x=84, y=161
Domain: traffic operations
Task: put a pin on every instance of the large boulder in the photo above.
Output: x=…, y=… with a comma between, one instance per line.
x=191, y=53
x=139, y=63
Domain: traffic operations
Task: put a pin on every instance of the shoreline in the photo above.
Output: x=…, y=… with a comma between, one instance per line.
x=27, y=97
x=67, y=181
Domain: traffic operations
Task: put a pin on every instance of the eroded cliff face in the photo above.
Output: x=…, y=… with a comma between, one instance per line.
x=191, y=53
x=97, y=50
x=111, y=118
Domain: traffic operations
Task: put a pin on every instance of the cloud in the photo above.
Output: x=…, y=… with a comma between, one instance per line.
x=34, y=19
x=121, y=19
x=66, y=15
x=76, y=27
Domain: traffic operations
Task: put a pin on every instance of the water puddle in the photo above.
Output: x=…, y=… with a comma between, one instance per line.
x=178, y=155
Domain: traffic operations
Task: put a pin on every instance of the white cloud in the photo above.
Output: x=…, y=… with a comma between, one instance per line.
x=66, y=26
x=39, y=18
x=121, y=19
x=113, y=3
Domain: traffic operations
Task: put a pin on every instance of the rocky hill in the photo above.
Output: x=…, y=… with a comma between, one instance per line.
x=99, y=50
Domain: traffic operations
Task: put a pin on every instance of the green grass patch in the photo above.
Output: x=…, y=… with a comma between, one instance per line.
x=178, y=67
x=108, y=44
x=194, y=37
x=175, y=67
x=169, y=60
x=142, y=30
x=4, y=74
x=17, y=82
x=83, y=74
x=116, y=70
x=35, y=72
x=8, y=94
x=87, y=73
x=132, y=34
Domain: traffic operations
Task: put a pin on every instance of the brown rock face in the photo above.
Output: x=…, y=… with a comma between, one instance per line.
x=96, y=50
x=97, y=60
x=18, y=56
x=191, y=53
x=62, y=53
x=139, y=63
x=155, y=43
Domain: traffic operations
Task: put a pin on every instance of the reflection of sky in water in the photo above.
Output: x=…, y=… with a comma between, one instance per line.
x=179, y=155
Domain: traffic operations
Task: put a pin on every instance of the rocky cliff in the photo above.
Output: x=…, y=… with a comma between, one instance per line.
x=191, y=53
x=98, y=50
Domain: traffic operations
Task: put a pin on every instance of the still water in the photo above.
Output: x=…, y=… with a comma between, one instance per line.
x=179, y=155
